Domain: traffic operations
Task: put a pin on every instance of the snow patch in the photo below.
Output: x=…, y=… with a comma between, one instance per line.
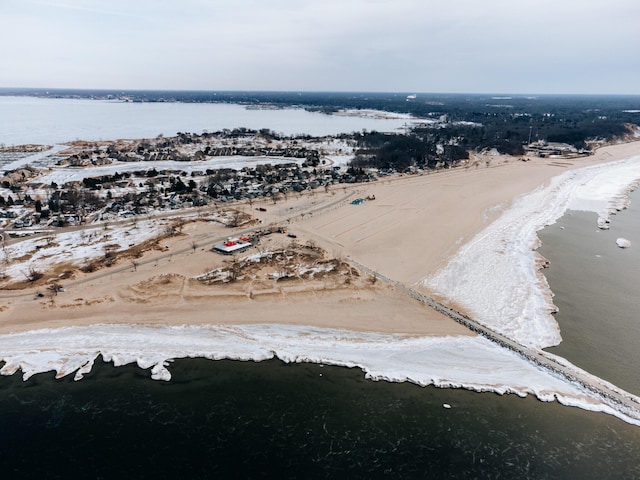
x=74, y=247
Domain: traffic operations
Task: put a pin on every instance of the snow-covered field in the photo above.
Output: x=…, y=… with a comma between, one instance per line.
x=73, y=247
x=495, y=275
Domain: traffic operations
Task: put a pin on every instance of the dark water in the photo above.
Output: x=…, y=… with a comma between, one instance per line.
x=224, y=419
x=597, y=289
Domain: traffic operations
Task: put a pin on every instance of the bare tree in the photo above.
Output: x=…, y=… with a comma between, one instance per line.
x=236, y=219
x=110, y=255
x=178, y=225
x=33, y=274
x=235, y=269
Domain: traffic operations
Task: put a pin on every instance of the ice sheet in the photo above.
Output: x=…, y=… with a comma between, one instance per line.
x=454, y=361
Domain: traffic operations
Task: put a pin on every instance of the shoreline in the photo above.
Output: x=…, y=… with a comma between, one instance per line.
x=360, y=233
x=472, y=363
x=508, y=249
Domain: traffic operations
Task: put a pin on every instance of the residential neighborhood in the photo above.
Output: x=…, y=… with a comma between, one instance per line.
x=108, y=181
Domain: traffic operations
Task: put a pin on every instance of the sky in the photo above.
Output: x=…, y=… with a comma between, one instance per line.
x=413, y=46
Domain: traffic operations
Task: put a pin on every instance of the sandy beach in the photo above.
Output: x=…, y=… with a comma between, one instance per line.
x=336, y=289
x=413, y=227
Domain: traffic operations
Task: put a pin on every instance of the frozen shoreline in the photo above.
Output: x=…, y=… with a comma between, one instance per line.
x=472, y=363
x=498, y=264
x=496, y=276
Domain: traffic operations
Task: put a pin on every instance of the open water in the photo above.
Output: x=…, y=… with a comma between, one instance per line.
x=31, y=120
x=597, y=290
x=229, y=419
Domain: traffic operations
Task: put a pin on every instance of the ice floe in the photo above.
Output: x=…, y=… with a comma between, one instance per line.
x=623, y=243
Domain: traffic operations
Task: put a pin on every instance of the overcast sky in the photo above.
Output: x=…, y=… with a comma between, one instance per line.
x=466, y=46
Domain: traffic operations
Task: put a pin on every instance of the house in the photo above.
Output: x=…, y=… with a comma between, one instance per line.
x=232, y=245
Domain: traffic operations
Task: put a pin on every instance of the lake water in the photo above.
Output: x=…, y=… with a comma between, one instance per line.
x=226, y=419
x=25, y=120
x=597, y=287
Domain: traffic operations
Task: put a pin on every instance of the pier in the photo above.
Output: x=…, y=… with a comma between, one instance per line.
x=620, y=400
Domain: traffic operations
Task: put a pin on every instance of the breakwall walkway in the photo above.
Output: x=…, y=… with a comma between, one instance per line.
x=618, y=399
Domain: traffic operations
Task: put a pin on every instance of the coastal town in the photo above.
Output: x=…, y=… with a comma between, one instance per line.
x=91, y=182
x=105, y=181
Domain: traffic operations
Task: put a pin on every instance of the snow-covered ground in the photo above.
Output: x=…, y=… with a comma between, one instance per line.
x=337, y=151
x=61, y=175
x=82, y=246
x=32, y=159
x=495, y=276
x=73, y=247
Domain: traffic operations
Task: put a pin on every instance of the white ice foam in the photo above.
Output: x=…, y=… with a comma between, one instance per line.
x=495, y=276
x=607, y=190
x=623, y=243
x=455, y=361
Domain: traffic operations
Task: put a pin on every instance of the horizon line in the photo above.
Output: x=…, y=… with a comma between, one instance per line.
x=124, y=91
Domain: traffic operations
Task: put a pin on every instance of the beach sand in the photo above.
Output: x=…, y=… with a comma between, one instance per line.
x=415, y=224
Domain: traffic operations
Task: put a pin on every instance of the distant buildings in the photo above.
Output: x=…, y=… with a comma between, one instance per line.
x=545, y=149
